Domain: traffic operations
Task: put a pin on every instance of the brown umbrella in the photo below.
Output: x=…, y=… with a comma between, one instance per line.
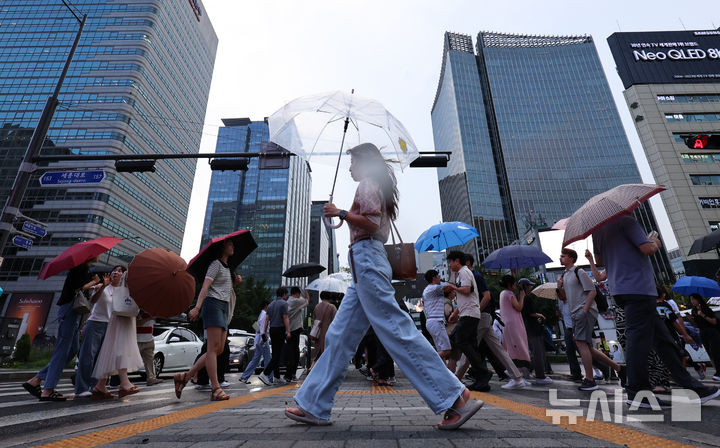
x=605, y=208
x=159, y=283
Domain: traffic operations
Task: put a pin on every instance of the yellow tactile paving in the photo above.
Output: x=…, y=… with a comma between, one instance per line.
x=593, y=428
x=125, y=431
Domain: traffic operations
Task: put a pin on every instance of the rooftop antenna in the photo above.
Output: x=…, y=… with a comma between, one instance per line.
x=618, y=24
x=681, y=23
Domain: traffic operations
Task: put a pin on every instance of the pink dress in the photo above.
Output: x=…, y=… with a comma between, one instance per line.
x=514, y=335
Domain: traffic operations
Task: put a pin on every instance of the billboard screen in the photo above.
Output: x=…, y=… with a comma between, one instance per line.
x=551, y=243
x=667, y=57
x=32, y=308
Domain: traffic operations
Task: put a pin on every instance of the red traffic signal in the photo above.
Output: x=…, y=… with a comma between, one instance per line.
x=703, y=141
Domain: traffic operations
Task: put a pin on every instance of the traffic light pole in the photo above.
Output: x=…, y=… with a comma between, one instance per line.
x=12, y=205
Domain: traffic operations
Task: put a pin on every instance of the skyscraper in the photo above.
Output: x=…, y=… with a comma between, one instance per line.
x=322, y=241
x=138, y=83
x=272, y=202
x=533, y=130
x=672, y=82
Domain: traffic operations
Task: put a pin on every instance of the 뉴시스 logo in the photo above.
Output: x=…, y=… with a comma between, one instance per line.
x=686, y=407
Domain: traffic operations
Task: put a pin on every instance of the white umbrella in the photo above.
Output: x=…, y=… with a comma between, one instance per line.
x=546, y=290
x=328, y=284
x=606, y=207
x=321, y=127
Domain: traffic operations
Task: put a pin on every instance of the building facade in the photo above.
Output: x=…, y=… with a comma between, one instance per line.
x=322, y=247
x=533, y=130
x=138, y=84
x=672, y=82
x=273, y=202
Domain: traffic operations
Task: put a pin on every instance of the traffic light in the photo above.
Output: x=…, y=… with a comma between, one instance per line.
x=135, y=166
x=239, y=164
x=703, y=141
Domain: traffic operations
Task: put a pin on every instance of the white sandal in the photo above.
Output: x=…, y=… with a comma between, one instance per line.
x=308, y=418
x=471, y=407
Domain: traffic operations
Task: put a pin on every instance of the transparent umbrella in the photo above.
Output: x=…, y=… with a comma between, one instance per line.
x=319, y=128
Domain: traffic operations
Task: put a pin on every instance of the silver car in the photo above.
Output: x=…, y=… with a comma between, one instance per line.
x=175, y=349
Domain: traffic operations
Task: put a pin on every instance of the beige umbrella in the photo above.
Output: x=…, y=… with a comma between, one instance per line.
x=606, y=207
x=546, y=290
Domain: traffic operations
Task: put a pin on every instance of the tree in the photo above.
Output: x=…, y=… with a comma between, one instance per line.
x=250, y=295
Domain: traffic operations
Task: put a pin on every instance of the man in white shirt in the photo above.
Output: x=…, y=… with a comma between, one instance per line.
x=467, y=316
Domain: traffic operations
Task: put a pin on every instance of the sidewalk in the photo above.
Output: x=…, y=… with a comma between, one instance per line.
x=370, y=416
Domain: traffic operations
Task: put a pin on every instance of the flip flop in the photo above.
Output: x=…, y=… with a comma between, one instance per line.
x=53, y=397
x=101, y=395
x=126, y=392
x=180, y=380
x=35, y=391
x=465, y=412
x=308, y=418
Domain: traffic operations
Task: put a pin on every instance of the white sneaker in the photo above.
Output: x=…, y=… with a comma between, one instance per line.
x=224, y=384
x=264, y=378
x=87, y=393
x=716, y=378
x=526, y=383
x=514, y=384
x=543, y=381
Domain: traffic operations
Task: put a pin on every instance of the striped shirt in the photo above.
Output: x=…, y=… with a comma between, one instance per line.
x=434, y=301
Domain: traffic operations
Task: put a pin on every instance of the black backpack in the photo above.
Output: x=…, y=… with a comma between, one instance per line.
x=600, y=299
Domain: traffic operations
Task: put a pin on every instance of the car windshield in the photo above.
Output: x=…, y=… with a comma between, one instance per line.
x=157, y=331
x=237, y=340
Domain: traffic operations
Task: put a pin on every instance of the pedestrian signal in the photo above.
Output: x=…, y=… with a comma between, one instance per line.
x=703, y=141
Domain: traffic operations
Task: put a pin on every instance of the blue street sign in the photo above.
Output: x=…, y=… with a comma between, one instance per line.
x=34, y=229
x=21, y=241
x=51, y=178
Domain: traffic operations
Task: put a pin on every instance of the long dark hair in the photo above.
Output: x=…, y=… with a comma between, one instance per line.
x=703, y=305
x=380, y=170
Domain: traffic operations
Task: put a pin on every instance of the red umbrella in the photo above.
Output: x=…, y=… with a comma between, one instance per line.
x=244, y=245
x=77, y=254
x=159, y=283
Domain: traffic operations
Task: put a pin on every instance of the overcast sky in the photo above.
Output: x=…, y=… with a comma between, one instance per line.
x=271, y=52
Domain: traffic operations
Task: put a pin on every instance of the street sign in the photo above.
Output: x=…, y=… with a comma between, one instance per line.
x=52, y=178
x=21, y=241
x=34, y=229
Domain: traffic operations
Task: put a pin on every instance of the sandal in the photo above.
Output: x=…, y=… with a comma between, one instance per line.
x=219, y=395
x=126, y=392
x=53, y=397
x=465, y=412
x=306, y=418
x=35, y=391
x=181, y=380
x=102, y=395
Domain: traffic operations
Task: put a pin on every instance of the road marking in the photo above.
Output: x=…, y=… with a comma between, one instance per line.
x=596, y=429
x=124, y=431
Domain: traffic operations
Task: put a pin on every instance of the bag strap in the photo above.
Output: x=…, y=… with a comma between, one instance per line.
x=392, y=226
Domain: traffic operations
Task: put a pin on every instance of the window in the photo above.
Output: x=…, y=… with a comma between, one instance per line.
x=705, y=179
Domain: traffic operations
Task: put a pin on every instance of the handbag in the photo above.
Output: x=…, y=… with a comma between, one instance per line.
x=122, y=303
x=401, y=257
x=81, y=304
x=315, y=330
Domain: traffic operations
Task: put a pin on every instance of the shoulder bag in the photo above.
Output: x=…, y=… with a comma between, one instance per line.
x=81, y=304
x=401, y=257
x=122, y=303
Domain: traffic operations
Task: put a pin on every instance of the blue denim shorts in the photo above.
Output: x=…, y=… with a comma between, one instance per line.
x=214, y=313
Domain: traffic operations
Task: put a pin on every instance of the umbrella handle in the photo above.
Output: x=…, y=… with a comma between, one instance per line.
x=328, y=221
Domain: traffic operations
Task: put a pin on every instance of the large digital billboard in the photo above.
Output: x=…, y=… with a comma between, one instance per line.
x=667, y=57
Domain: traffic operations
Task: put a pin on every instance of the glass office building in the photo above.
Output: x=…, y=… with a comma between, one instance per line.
x=138, y=84
x=271, y=201
x=533, y=129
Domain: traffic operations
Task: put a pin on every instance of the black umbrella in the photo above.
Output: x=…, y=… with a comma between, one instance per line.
x=244, y=245
x=705, y=243
x=303, y=270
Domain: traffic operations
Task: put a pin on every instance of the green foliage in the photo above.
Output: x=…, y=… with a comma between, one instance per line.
x=22, y=348
x=250, y=295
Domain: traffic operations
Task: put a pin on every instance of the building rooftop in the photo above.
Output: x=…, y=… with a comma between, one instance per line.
x=492, y=39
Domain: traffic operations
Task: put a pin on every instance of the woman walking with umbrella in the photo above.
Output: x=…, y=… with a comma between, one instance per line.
x=371, y=301
x=707, y=322
x=213, y=305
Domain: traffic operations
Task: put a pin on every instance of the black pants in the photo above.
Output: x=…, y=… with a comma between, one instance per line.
x=223, y=360
x=277, y=343
x=383, y=366
x=645, y=330
x=497, y=365
x=537, y=354
x=466, y=342
x=571, y=352
x=293, y=353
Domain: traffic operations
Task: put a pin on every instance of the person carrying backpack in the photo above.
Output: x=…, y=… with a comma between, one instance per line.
x=580, y=293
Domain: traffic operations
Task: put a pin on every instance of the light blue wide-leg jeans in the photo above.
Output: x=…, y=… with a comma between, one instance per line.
x=89, y=348
x=371, y=301
x=66, y=347
x=262, y=350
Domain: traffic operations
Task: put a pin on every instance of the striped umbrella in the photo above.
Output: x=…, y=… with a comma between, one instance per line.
x=606, y=207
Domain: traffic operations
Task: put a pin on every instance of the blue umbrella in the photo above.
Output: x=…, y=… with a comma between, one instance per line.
x=516, y=257
x=700, y=285
x=444, y=235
